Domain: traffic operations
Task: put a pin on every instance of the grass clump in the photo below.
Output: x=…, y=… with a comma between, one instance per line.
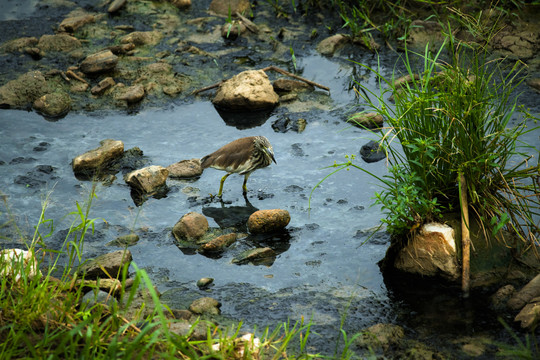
x=454, y=116
x=46, y=316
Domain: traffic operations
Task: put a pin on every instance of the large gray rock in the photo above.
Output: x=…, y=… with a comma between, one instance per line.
x=431, y=251
x=94, y=161
x=249, y=90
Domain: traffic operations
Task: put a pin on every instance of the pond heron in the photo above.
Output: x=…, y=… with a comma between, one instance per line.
x=242, y=156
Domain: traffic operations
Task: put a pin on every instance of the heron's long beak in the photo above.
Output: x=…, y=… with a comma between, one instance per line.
x=269, y=152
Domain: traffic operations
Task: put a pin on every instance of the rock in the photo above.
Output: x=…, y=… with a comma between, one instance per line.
x=329, y=45
x=254, y=255
x=267, y=221
x=125, y=240
x=372, y=152
x=181, y=4
x=91, y=298
x=205, y=305
x=431, y=251
x=204, y=283
x=74, y=23
x=222, y=7
x=53, y=105
x=534, y=83
x=192, y=226
x=94, y=161
x=18, y=45
x=160, y=77
x=529, y=316
x=523, y=296
x=287, y=85
x=111, y=286
x=13, y=258
x=116, y=5
x=24, y=90
x=140, y=38
x=219, y=243
x=370, y=120
x=132, y=94
x=232, y=30
x=185, y=169
x=423, y=32
x=148, y=180
x=500, y=299
x=59, y=42
x=382, y=336
x=99, y=62
x=249, y=90
x=185, y=329
x=105, y=266
x=103, y=85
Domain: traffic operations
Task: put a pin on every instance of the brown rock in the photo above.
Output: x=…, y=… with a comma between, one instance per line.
x=19, y=45
x=371, y=120
x=131, y=94
x=249, y=90
x=53, y=105
x=430, y=252
x=522, y=297
x=267, y=221
x=192, y=226
x=99, y=62
x=258, y=255
x=219, y=243
x=106, y=265
x=205, y=305
x=222, y=7
x=329, y=45
x=103, y=85
x=95, y=160
x=529, y=316
x=116, y=5
x=287, y=85
x=148, y=180
x=534, y=83
x=381, y=336
x=185, y=169
x=24, y=90
x=142, y=38
x=59, y=42
x=181, y=4
x=71, y=24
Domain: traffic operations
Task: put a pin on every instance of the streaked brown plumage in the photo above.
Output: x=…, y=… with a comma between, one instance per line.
x=242, y=156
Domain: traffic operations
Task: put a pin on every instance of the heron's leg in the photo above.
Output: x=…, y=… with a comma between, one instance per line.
x=221, y=184
x=244, y=188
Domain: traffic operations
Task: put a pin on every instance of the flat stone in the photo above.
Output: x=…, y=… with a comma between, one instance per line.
x=99, y=62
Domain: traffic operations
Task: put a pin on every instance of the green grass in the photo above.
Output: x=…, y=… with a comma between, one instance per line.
x=42, y=316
